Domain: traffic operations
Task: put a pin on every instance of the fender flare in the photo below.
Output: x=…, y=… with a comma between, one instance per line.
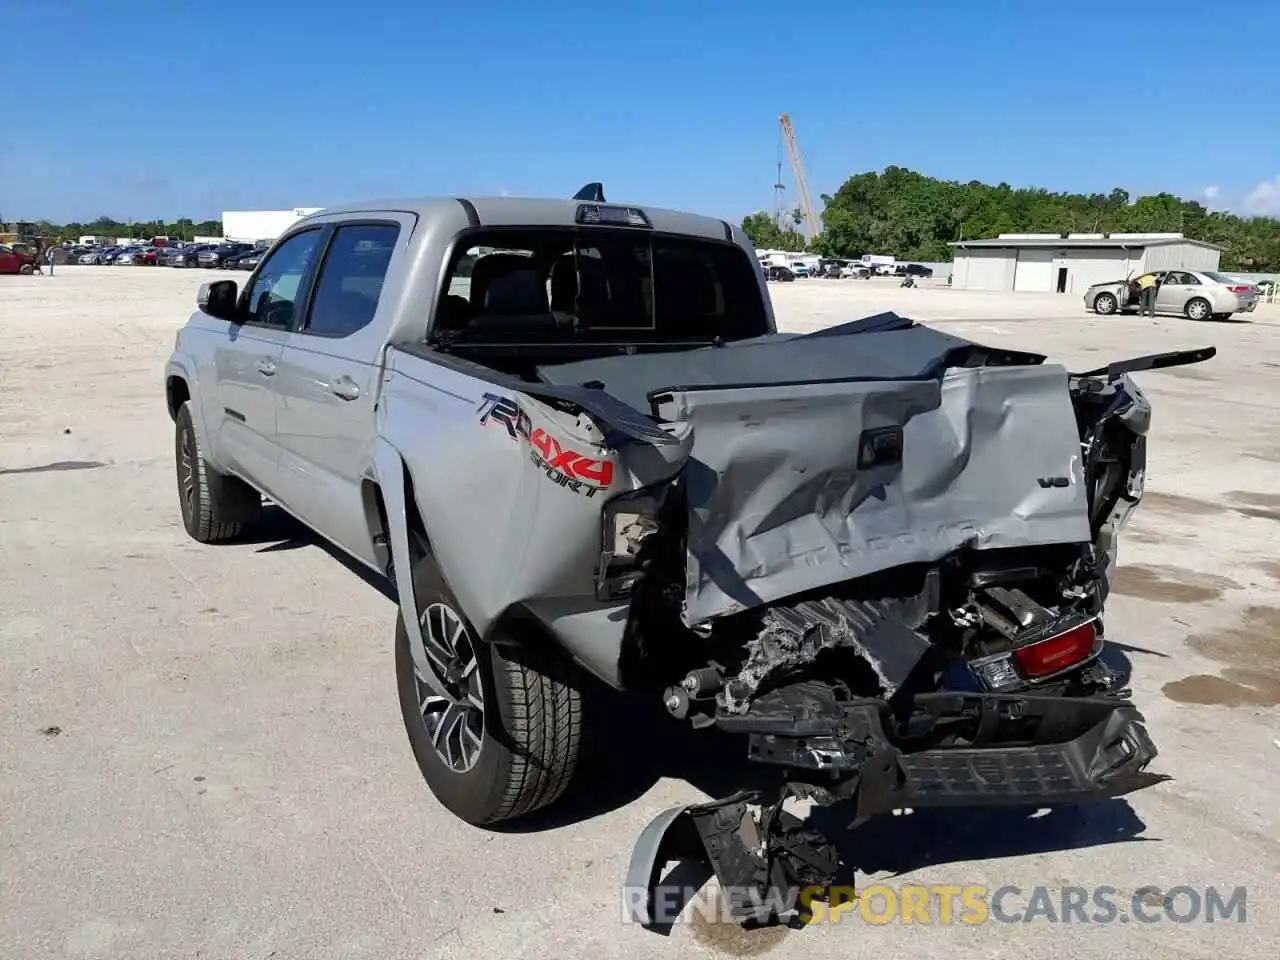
x=388, y=472
x=175, y=368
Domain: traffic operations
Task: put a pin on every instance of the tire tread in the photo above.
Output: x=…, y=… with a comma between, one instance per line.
x=546, y=723
x=207, y=529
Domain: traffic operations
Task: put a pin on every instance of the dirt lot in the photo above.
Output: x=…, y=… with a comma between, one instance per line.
x=201, y=754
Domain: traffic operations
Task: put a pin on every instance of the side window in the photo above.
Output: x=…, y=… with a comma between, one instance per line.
x=272, y=299
x=351, y=279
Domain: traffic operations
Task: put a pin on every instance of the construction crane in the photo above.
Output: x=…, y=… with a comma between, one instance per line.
x=802, y=182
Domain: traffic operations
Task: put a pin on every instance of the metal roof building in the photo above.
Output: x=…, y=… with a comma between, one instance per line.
x=1051, y=262
x=250, y=226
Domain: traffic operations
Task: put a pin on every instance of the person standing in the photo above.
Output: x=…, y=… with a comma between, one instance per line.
x=1147, y=295
x=51, y=254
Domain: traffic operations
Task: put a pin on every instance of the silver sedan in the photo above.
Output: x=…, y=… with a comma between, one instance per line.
x=1194, y=294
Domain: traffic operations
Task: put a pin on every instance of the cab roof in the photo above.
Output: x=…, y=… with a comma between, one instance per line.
x=498, y=212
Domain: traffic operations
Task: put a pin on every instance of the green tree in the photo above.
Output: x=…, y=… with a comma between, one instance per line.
x=767, y=235
x=901, y=212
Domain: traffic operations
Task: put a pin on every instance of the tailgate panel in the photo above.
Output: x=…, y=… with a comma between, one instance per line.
x=794, y=487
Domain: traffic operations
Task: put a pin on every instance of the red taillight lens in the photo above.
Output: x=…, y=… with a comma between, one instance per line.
x=1057, y=653
x=1245, y=289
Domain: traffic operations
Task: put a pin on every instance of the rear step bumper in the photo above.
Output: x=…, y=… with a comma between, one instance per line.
x=1021, y=749
x=1079, y=750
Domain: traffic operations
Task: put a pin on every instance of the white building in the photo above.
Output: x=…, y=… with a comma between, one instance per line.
x=1048, y=263
x=250, y=226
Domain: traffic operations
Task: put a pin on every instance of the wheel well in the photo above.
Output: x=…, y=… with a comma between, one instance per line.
x=375, y=512
x=176, y=393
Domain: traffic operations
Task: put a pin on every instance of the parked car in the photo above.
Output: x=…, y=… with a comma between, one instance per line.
x=250, y=260
x=187, y=256
x=232, y=261
x=16, y=261
x=213, y=257
x=780, y=273
x=569, y=470
x=129, y=257
x=1194, y=294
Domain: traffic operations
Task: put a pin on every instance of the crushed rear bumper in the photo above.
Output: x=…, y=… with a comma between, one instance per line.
x=1018, y=750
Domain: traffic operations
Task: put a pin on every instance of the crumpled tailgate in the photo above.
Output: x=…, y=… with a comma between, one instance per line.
x=798, y=486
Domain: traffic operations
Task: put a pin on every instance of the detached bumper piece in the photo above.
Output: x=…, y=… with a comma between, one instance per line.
x=762, y=862
x=954, y=749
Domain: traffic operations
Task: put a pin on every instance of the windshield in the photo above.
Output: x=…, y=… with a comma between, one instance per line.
x=600, y=283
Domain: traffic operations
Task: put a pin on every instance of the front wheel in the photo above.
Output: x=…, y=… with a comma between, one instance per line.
x=1105, y=304
x=1198, y=308
x=214, y=507
x=504, y=740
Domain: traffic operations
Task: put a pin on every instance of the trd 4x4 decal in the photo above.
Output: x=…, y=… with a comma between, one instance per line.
x=505, y=412
x=568, y=468
x=571, y=469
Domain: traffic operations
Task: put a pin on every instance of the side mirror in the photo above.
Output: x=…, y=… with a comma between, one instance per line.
x=217, y=298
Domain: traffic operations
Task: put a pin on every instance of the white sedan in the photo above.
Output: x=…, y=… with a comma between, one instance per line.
x=1194, y=294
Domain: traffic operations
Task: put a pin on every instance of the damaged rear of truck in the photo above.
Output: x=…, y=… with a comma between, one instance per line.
x=893, y=586
x=883, y=561
x=878, y=553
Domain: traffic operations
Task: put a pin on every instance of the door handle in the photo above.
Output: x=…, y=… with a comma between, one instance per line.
x=267, y=367
x=345, y=387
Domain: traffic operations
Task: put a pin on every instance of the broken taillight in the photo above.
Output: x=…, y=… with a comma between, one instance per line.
x=1032, y=662
x=1057, y=653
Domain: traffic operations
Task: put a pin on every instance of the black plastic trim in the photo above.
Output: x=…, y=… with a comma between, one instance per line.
x=473, y=215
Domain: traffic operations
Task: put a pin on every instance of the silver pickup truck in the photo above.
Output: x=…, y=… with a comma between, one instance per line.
x=570, y=435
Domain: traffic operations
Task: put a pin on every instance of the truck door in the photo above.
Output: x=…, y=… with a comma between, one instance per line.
x=327, y=383
x=246, y=361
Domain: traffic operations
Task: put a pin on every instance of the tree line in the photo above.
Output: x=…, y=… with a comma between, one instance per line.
x=181, y=229
x=914, y=217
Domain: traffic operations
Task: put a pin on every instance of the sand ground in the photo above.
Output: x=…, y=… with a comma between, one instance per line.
x=201, y=753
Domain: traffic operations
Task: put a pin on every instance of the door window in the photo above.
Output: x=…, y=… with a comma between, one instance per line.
x=277, y=290
x=1177, y=276
x=351, y=279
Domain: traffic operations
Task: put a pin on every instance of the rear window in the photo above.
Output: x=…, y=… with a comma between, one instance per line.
x=600, y=284
x=1220, y=277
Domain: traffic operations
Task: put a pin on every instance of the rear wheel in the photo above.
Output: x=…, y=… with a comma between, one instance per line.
x=26, y=270
x=1105, y=304
x=1198, y=308
x=504, y=740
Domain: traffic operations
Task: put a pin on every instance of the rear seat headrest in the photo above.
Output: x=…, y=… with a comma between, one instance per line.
x=517, y=292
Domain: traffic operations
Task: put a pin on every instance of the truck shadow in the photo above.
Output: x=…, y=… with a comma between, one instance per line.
x=276, y=531
x=633, y=746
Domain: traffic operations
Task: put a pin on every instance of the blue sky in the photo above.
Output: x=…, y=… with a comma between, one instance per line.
x=171, y=108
